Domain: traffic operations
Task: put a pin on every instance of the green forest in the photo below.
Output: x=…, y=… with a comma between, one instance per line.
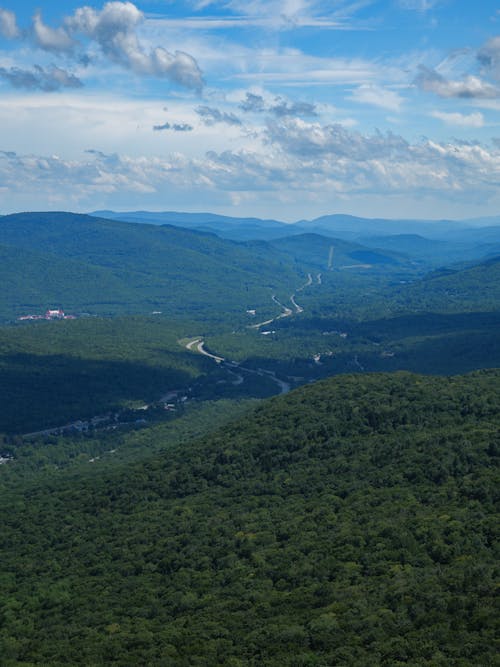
x=351, y=522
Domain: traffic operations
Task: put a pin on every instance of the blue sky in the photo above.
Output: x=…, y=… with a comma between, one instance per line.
x=288, y=109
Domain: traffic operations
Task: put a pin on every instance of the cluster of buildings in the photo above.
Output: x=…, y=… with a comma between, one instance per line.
x=49, y=315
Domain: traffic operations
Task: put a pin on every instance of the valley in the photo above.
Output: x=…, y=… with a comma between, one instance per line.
x=265, y=451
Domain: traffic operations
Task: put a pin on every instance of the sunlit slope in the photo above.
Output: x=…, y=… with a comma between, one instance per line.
x=149, y=267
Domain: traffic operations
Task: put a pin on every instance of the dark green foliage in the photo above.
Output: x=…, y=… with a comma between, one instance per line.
x=55, y=372
x=351, y=522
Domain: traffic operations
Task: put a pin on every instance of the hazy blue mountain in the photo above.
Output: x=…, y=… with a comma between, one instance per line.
x=235, y=228
x=481, y=244
x=485, y=230
x=318, y=251
x=351, y=227
x=489, y=234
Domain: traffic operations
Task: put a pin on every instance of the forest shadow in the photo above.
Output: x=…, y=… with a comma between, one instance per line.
x=41, y=391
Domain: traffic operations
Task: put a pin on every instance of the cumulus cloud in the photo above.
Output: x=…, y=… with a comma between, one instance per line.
x=8, y=24
x=51, y=39
x=48, y=80
x=253, y=103
x=283, y=108
x=311, y=140
x=279, y=107
x=211, y=116
x=475, y=119
x=114, y=28
x=469, y=87
x=176, y=127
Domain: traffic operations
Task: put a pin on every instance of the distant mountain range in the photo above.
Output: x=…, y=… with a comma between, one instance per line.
x=104, y=266
x=433, y=241
x=338, y=222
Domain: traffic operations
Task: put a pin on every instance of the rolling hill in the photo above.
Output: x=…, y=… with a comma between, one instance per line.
x=434, y=242
x=322, y=252
x=236, y=229
x=138, y=267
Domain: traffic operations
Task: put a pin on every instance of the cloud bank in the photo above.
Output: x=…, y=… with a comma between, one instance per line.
x=298, y=160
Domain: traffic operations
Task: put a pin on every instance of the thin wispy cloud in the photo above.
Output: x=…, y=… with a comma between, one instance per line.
x=475, y=119
x=418, y=5
x=489, y=57
x=378, y=96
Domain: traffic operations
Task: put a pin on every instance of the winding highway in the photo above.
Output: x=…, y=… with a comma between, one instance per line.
x=235, y=368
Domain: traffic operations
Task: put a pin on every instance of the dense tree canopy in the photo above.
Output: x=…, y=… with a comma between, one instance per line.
x=351, y=522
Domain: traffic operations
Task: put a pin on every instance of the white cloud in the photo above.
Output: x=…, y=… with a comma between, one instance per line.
x=51, y=39
x=114, y=28
x=8, y=24
x=469, y=87
x=278, y=106
x=299, y=161
x=475, y=119
x=212, y=116
x=378, y=96
x=311, y=140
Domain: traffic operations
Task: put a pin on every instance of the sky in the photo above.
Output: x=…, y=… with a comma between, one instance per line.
x=285, y=109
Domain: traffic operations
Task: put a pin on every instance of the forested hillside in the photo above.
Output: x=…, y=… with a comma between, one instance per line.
x=55, y=372
x=134, y=268
x=351, y=522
